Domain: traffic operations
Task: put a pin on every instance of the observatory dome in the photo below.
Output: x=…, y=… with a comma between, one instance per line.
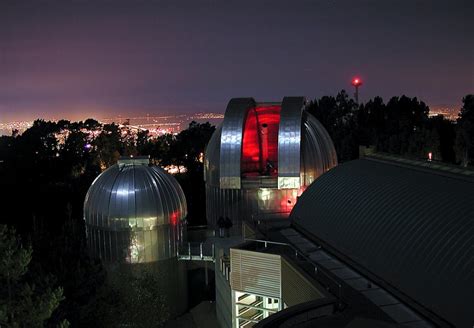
x=133, y=212
x=261, y=159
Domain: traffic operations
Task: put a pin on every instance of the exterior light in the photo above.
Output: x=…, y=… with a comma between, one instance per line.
x=356, y=82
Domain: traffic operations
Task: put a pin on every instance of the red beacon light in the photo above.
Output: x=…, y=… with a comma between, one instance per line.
x=356, y=82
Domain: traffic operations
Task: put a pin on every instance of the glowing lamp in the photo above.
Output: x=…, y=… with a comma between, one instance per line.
x=356, y=82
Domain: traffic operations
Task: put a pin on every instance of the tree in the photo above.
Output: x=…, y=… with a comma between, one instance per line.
x=22, y=304
x=136, y=299
x=190, y=144
x=107, y=145
x=405, y=118
x=143, y=142
x=91, y=124
x=339, y=116
x=442, y=139
x=375, y=122
x=187, y=150
x=147, y=302
x=74, y=153
x=40, y=139
x=465, y=132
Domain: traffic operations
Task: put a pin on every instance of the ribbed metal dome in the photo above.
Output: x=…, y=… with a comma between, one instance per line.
x=132, y=213
x=261, y=158
x=318, y=154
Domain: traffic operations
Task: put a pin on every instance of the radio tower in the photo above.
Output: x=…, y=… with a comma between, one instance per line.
x=356, y=82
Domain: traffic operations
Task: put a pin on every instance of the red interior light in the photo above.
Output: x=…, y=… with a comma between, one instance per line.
x=260, y=141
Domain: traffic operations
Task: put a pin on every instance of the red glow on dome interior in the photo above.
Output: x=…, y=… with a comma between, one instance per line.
x=260, y=141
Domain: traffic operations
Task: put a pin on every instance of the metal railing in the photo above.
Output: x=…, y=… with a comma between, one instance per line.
x=196, y=252
x=224, y=266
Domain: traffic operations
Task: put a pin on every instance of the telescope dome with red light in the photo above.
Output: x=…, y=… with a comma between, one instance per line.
x=261, y=159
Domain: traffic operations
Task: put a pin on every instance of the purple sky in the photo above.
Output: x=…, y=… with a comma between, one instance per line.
x=98, y=57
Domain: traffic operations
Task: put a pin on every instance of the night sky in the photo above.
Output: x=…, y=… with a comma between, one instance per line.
x=100, y=58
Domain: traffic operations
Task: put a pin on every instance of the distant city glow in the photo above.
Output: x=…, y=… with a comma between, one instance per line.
x=155, y=125
x=173, y=124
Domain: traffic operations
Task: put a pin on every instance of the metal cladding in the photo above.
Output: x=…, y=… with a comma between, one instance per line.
x=261, y=158
x=409, y=228
x=289, y=143
x=133, y=212
x=231, y=139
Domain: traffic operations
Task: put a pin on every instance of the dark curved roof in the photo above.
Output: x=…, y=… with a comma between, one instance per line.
x=410, y=227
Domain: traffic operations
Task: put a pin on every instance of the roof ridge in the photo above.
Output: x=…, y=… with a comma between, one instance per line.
x=428, y=167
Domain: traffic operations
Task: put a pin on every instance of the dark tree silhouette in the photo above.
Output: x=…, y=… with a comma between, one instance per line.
x=465, y=132
x=400, y=127
x=107, y=146
x=339, y=117
x=22, y=302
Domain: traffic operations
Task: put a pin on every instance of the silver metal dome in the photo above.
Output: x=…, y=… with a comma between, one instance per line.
x=133, y=213
x=299, y=151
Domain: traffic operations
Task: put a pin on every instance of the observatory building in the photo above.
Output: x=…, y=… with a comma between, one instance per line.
x=261, y=159
x=381, y=241
x=133, y=213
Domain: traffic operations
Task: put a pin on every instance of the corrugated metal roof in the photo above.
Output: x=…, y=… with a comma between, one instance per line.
x=132, y=213
x=131, y=194
x=407, y=226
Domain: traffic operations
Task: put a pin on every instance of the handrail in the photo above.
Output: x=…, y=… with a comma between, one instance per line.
x=256, y=307
x=201, y=254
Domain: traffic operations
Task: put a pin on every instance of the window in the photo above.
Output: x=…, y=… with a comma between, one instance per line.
x=251, y=308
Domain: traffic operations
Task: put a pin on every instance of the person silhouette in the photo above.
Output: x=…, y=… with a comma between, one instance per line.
x=227, y=225
x=221, y=226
